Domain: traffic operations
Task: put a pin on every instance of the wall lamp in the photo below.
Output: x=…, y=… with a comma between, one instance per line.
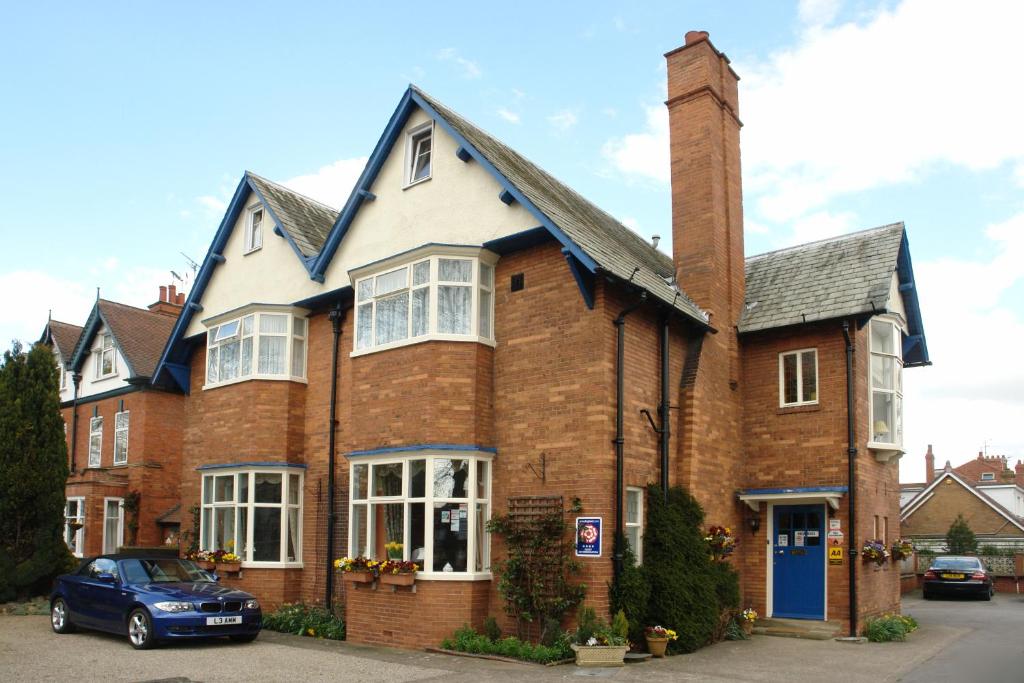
x=754, y=522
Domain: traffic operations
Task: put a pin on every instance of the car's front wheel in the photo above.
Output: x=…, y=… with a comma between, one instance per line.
x=244, y=638
x=60, y=617
x=140, y=629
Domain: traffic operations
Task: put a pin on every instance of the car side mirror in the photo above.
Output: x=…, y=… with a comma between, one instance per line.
x=106, y=577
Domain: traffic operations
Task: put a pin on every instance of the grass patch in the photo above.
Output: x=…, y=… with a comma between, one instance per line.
x=889, y=628
x=34, y=606
x=466, y=639
x=305, y=620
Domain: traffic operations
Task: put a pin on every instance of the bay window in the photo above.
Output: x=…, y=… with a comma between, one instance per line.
x=255, y=513
x=260, y=345
x=435, y=296
x=428, y=509
x=886, y=402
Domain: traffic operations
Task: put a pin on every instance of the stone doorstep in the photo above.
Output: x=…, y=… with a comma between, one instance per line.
x=797, y=628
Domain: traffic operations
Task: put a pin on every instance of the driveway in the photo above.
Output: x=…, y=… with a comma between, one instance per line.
x=991, y=651
x=29, y=650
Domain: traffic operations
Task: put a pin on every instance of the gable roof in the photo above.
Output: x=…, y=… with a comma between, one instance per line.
x=138, y=334
x=920, y=499
x=64, y=337
x=305, y=220
x=843, y=276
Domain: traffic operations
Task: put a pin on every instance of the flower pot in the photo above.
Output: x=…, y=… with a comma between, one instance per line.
x=357, y=577
x=230, y=566
x=398, y=579
x=600, y=655
x=206, y=564
x=656, y=646
x=747, y=626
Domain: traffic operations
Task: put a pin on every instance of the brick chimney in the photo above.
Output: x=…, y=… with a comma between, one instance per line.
x=929, y=466
x=170, y=302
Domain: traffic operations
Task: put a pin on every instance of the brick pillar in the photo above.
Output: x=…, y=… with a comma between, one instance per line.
x=929, y=466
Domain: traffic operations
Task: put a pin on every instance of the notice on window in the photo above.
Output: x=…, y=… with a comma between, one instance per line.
x=835, y=524
x=798, y=538
x=445, y=516
x=463, y=512
x=588, y=537
x=812, y=533
x=455, y=523
x=783, y=539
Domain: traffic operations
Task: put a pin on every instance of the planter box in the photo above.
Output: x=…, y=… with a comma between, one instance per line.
x=600, y=655
x=232, y=567
x=205, y=564
x=398, y=579
x=357, y=577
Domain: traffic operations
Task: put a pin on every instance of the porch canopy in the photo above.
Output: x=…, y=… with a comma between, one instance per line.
x=798, y=494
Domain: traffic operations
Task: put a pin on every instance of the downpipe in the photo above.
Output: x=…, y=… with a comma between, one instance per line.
x=851, y=452
x=335, y=317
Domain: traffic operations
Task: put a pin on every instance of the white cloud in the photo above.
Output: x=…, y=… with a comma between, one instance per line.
x=819, y=225
x=563, y=120
x=470, y=69
x=331, y=184
x=509, y=116
x=818, y=12
x=213, y=204
x=643, y=154
x=631, y=223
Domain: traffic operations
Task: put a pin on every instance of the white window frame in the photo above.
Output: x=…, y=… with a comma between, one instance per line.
x=118, y=431
x=480, y=261
x=78, y=517
x=254, y=232
x=248, y=508
x=428, y=501
x=214, y=340
x=60, y=371
x=799, y=353
x=988, y=476
x=412, y=138
x=638, y=523
x=96, y=431
x=106, y=346
x=120, y=524
x=897, y=381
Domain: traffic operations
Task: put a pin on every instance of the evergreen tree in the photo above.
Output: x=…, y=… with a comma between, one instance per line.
x=33, y=471
x=960, y=539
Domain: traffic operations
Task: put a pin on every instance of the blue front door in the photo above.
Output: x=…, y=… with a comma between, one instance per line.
x=798, y=562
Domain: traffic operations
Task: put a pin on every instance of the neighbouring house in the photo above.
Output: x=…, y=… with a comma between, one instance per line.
x=124, y=434
x=985, y=491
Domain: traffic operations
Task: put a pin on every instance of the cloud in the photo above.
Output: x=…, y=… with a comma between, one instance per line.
x=331, y=184
x=563, y=120
x=818, y=12
x=644, y=154
x=470, y=69
x=509, y=116
x=213, y=204
x=819, y=225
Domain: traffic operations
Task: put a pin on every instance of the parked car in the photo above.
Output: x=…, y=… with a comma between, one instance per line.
x=954, y=575
x=151, y=599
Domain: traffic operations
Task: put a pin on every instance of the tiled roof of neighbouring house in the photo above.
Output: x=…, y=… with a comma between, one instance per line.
x=65, y=336
x=139, y=334
x=832, y=278
x=306, y=220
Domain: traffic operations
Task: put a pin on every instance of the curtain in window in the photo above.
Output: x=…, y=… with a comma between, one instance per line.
x=420, y=311
x=393, y=318
x=229, y=360
x=272, y=350
x=364, y=326
x=453, y=309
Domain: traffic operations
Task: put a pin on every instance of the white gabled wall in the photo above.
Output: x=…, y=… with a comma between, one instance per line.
x=896, y=300
x=90, y=385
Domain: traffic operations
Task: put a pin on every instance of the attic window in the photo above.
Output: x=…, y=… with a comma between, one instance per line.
x=106, y=363
x=420, y=143
x=254, y=229
x=988, y=476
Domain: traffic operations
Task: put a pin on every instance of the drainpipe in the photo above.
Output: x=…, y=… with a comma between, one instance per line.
x=665, y=434
x=335, y=317
x=851, y=452
x=76, y=378
x=620, y=325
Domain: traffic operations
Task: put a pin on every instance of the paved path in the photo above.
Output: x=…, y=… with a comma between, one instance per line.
x=29, y=650
x=991, y=652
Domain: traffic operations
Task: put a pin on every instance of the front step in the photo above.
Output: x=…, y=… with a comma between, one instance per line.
x=797, y=628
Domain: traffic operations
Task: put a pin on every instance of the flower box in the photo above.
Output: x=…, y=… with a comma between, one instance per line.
x=357, y=577
x=398, y=579
x=229, y=567
x=600, y=655
x=206, y=564
x=656, y=646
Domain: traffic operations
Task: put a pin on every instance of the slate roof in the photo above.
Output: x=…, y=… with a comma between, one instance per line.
x=830, y=278
x=306, y=220
x=139, y=334
x=65, y=337
x=614, y=247
x=170, y=516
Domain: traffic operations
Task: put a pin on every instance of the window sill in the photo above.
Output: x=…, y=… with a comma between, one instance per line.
x=886, y=452
x=252, y=251
x=416, y=182
x=104, y=378
x=420, y=340
x=798, y=408
x=249, y=378
x=271, y=565
x=454, y=576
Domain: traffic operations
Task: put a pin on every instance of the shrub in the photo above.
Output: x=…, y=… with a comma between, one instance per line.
x=491, y=629
x=466, y=639
x=305, y=620
x=631, y=595
x=960, y=539
x=890, y=627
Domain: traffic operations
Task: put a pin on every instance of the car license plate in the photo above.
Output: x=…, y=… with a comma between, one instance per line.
x=219, y=621
x=952, y=576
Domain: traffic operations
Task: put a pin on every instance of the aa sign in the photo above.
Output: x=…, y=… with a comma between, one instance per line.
x=835, y=555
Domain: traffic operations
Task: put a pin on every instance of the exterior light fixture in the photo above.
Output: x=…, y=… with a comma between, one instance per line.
x=754, y=522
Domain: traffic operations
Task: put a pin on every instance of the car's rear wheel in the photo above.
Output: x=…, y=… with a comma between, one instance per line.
x=60, y=617
x=988, y=594
x=140, y=629
x=244, y=638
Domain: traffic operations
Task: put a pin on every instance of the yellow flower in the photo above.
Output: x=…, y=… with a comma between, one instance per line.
x=310, y=631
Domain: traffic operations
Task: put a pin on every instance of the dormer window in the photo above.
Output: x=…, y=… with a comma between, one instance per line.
x=886, y=385
x=420, y=143
x=988, y=476
x=106, y=360
x=254, y=229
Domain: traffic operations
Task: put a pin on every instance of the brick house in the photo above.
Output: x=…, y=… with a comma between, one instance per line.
x=468, y=332
x=123, y=433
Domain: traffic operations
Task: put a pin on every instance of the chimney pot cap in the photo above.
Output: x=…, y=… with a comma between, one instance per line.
x=695, y=36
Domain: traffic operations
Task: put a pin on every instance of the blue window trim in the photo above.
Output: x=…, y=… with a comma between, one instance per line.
x=252, y=466
x=424, y=447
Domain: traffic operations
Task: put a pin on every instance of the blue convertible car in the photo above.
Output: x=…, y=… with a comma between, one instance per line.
x=151, y=599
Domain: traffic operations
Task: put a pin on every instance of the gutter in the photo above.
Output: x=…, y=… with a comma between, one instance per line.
x=851, y=452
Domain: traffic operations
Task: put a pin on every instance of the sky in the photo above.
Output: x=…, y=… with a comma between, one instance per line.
x=125, y=127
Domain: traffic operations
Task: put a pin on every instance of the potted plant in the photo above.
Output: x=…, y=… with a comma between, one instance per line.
x=229, y=562
x=720, y=542
x=874, y=551
x=657, y=639
x=902, y=549
x=596, y=644
x=394, y=550
x=398, y=573
x=357, y=569
x=747, y=619
x=203, y=558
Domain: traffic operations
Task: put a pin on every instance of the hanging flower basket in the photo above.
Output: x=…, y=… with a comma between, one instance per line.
x=874, y=551
x=902, y=548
